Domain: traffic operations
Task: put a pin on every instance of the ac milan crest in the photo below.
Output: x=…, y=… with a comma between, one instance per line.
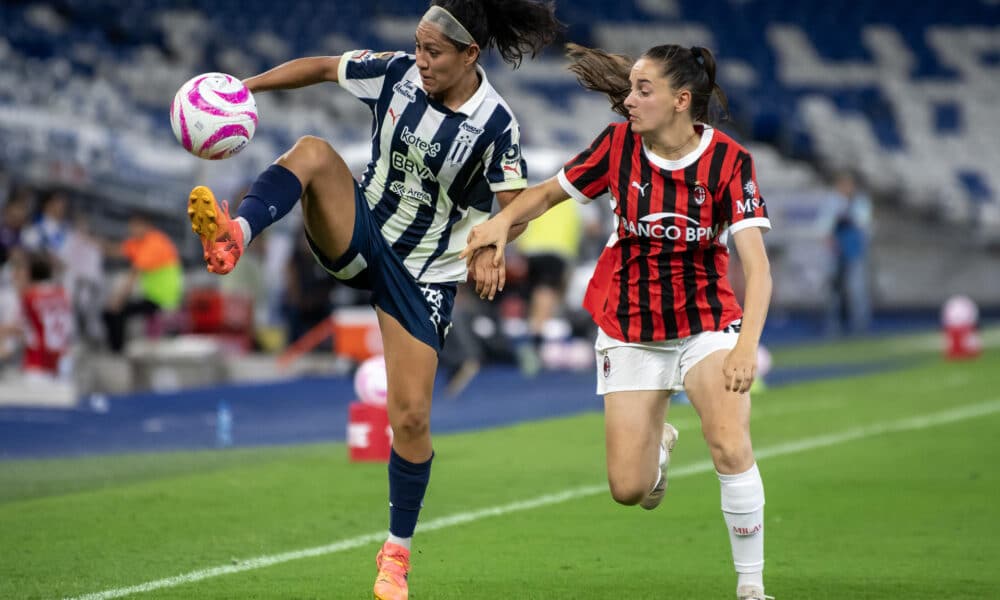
x=607, y=366
x=699, y=194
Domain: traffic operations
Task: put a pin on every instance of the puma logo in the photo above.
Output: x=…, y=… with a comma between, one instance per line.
x=394, y=116
x=641, y=188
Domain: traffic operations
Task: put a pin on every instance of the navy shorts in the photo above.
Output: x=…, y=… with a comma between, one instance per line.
x=370, y=263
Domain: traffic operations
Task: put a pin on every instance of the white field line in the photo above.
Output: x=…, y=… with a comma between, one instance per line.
x=908, y=424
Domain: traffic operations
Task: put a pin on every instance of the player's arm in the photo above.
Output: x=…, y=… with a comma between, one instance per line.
x=490, y=277
x=740, y=366
x=297, y=73
x=522, y=206
x=504, y=199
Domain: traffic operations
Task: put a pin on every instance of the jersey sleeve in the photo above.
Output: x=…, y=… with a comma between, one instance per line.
x=586, y=176
x=505, y=168
x=363, y=72
x=742, y=204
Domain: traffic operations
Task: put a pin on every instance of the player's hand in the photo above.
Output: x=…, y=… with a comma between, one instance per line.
x=494, y=233
x=739, y=369
x=489, y=278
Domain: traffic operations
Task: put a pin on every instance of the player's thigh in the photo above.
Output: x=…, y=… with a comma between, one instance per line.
x=328, y=197
x=722, y=412
x=633, y=424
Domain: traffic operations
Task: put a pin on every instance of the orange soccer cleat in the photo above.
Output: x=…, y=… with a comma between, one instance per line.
x=221, y=237
x=393, y=563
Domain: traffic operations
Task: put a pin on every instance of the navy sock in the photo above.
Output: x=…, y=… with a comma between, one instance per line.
x=270, y=198
x=407, y=484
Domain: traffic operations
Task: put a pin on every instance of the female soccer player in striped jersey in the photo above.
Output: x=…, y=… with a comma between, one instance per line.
x=668, y=319
x=444, y=142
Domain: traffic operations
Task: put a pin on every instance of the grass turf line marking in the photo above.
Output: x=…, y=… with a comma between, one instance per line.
x=953, y=415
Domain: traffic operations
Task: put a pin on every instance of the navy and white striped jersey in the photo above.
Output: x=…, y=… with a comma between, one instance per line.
x=433, y=171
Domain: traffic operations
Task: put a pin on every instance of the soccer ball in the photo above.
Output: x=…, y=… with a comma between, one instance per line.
x=959, y=311
x=213, y=116
x=764, y=361
x=370, y=381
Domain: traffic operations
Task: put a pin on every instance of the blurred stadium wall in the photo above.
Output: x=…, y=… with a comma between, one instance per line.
x=904, y=94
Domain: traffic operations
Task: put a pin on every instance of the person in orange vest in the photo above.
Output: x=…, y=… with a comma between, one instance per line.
x=155, y=265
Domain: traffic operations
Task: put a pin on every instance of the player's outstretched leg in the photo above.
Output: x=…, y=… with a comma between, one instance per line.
x=666, y=449
x=221, y=237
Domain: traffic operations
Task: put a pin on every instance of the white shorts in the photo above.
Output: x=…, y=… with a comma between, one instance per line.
x=626, y=367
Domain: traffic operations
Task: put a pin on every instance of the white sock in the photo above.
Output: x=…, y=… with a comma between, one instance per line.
x=743, y=509
x=404, y=542
x=245, y=226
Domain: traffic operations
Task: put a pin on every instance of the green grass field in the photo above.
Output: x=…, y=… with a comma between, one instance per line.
x=883, y=486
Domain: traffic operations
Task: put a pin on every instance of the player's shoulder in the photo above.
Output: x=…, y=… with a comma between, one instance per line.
x=495, y=107
x=385, y=56
x=723, y=142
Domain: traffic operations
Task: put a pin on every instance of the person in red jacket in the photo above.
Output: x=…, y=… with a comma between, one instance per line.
x=668, y=319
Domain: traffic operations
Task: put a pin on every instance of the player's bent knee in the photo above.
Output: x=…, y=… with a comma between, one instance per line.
x=628, y=493
x=311, y=152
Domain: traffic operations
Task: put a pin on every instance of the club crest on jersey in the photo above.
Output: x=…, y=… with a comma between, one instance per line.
x=461, y=147
x=700, y=194
x=607, y=366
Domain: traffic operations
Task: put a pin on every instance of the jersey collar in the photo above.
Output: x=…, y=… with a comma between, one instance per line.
x=686, y=160
x=471, y=104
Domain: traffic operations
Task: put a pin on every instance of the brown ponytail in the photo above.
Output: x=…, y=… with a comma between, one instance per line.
x=692, y=69
x=602, y=72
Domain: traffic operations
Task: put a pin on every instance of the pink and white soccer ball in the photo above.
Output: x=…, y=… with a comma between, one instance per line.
x=959, y=311
x=370, y=381
x=764, y=361
x=213, y=116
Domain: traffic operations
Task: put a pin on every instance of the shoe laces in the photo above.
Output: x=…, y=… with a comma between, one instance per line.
x=393, y=563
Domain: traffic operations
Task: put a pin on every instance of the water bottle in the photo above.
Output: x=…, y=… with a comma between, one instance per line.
x=223, y=425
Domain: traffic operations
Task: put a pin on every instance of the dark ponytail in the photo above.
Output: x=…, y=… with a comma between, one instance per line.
x=686, y=68
x=701, y=82
x=514, y=27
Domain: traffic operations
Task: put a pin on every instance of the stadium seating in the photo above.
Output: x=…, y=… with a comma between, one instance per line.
x=904, y=93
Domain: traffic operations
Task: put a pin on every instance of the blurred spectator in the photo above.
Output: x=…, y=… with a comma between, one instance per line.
x=13, y=220
x=50, y=232
x=307, y=291
x=850, y=304
x=551, y=247
x=84, y=276
x=43, y=326
x=44, y=323
x=154, y=263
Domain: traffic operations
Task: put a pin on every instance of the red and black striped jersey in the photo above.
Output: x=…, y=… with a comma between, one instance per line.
x=663, y=272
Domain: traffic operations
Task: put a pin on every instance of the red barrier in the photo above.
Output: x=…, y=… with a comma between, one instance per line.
x=369, y=436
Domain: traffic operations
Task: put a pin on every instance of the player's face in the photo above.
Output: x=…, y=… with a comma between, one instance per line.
x=652, y=103
x=441, y=64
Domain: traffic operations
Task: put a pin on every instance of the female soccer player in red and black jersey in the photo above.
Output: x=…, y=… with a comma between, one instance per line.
x=668, y=319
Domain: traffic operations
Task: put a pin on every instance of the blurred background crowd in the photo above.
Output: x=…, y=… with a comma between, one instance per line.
x=874, y=127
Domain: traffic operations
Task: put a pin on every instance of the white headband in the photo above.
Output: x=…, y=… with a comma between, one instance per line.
x=448, y=24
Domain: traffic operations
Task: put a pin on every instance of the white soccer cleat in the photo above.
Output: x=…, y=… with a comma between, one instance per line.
x=751, y=592
x=667, y=443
